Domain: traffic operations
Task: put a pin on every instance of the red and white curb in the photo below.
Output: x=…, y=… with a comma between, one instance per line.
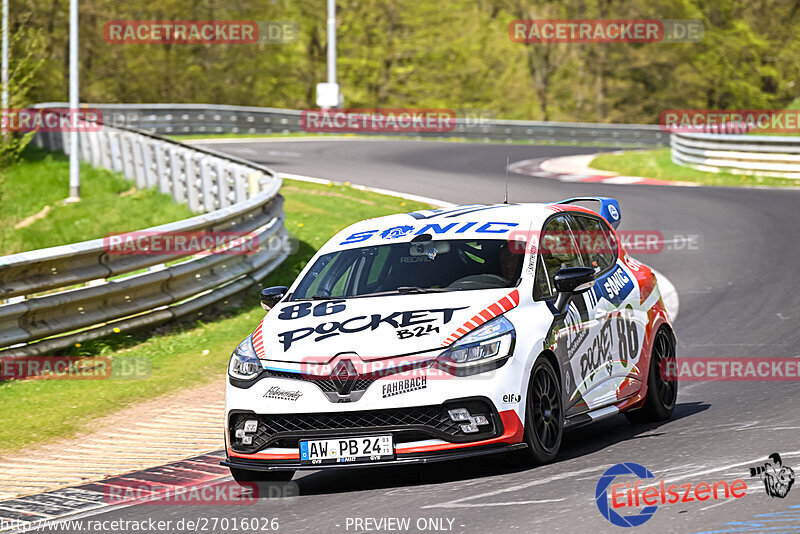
x=576, y=169
x=24, y=514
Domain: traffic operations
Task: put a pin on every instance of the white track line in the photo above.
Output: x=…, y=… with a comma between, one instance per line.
x=416, y=198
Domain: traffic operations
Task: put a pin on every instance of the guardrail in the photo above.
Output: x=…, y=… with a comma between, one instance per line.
x=67, y=294
x=744, y=154
x=182, y=119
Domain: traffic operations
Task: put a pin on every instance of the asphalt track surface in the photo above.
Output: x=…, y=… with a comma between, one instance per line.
x=738, y=297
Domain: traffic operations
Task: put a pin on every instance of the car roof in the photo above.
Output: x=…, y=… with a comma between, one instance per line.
x=473, y=221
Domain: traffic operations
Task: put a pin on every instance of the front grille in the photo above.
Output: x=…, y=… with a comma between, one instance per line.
x=325, y=384
x=406, y=424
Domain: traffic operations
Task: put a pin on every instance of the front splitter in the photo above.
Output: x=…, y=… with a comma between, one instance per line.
x=406, y=459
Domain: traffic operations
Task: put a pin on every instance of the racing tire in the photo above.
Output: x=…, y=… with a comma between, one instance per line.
x=245, y=477
x=661, y=394
x=544, y=415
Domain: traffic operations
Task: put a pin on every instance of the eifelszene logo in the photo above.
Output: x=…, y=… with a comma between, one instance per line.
x=612, y=498
x=777, y=478
x=602, y=499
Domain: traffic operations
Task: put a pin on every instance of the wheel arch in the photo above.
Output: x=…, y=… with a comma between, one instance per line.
x=551, y=357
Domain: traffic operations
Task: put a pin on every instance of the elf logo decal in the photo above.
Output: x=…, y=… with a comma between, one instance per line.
x=363, y=322
x=617, y=286
x=453, y=229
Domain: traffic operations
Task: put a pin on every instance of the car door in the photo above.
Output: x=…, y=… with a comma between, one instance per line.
x=576, y=336
x=607, y=360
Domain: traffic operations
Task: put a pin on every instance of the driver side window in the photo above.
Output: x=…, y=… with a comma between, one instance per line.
x=557, y=249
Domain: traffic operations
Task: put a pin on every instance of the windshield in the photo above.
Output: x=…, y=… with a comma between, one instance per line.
x=428, y=266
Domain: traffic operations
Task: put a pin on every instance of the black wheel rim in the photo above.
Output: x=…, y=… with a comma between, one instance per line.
x=546, y=408
x=664, y=359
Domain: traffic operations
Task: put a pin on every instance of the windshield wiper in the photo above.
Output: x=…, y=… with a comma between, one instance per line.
x=317, y=297
x=415, y=289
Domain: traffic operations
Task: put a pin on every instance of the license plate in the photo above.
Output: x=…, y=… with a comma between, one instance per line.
x=346, y=450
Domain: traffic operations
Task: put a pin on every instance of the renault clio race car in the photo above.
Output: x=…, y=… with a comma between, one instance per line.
x=446, y=334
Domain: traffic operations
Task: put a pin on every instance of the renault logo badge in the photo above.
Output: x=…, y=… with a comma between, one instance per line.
x=344, y=376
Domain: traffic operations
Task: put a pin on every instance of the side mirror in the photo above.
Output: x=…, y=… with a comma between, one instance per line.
x=271, y=296
x=572, y=281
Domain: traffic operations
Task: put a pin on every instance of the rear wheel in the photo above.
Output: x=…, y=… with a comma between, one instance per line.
x=244, y=476
x=661, y=394
x=544, y=414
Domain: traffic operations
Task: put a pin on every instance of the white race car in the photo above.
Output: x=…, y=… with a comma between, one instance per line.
x=446, y=334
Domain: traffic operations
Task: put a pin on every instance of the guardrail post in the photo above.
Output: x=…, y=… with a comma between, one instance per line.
x=138, y=163
x=115, y=151
x=94, y=148
x=150, y=168
x=223, y=187
x=254, y=183
x=207, y=184
x=105, y=149
x=178, y=177
x=126, y=151
x=239, y=183
x=161, y=169
x=192, y=180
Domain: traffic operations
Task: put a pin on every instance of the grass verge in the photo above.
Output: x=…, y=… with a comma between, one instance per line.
x=32, y=215
x=181, y=355
x=657, y=164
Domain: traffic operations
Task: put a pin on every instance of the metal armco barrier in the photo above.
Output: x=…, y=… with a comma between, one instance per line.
x=181, y=119
x=744, y=154
x=71, y=293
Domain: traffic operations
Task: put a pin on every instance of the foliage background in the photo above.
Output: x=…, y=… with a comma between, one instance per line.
x=433, y=53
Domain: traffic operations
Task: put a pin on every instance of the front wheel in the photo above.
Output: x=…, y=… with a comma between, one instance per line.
x=661, y=393
x=544, y=414
x=245, y=477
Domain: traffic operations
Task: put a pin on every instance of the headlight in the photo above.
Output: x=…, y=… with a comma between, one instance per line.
x=492, y=342
x=244, y=363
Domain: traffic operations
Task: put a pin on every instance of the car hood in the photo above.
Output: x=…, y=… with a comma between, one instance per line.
x=375, y=327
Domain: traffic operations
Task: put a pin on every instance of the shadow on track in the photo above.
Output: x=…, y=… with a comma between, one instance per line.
x=577, y=443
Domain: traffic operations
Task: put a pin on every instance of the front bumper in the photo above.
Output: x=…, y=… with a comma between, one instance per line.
x=402, y=459
x=413, y=410
x=506, y=434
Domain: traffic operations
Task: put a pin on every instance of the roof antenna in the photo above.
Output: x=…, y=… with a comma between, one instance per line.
x=505, y=198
